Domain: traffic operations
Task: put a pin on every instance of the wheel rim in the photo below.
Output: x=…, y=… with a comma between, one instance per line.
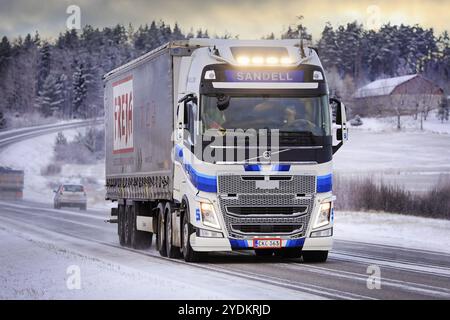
x=168, y=231
x=185, y=237
x=161, y=230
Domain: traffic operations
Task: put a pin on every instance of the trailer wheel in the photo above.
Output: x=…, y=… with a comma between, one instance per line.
x=160, y=236
x=120, y=224
x=127, y=225
x=172, y=251
x=188, y=253
x=315, y=256
x=139, y=239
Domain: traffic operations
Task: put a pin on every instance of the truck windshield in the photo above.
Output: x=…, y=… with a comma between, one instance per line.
x=287, y=114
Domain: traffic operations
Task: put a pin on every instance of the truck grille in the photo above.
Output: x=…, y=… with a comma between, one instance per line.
x=257, y=228
x=237, y=184
x=267, y=210
x=283, y=210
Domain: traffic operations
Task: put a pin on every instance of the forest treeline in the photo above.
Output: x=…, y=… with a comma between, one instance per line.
x=63, y=77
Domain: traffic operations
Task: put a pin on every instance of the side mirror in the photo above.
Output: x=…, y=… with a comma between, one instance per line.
x=341, y=121
x=190, y=97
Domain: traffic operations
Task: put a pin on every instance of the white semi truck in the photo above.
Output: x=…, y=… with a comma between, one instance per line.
x=220, y=145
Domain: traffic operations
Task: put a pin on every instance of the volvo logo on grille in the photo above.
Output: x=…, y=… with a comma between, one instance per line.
x=266, y=154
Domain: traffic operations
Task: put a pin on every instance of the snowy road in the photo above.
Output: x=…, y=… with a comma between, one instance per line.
x=39, y=243
x=40, y=248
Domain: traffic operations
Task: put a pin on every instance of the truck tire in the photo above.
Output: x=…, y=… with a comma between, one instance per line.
x=160, y=235
x=188, y=253
x=315, y=256
x=127, y=225
x=289, y=253
x=172, y=251
x=120, y=224
x=263, y=252
x=139, y=239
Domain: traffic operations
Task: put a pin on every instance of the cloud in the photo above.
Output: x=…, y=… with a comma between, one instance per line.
x=246, y=18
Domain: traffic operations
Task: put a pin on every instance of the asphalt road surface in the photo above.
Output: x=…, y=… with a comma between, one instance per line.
x=405, y=273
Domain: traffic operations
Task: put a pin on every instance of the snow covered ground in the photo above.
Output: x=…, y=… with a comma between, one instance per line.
x=394, y=230
x=408, y=124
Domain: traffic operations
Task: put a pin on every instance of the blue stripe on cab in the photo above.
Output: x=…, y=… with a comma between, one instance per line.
x=295, y=243
x=201, y=181
x=252, y=167
x=325, y=183
x=281, y=167
x=238, y=244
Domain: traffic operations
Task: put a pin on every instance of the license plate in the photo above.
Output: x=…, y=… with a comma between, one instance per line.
x=266, y=243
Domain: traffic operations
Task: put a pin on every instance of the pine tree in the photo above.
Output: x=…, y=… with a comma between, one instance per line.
x=50, y=98
x=79, y=91
x=5, y=52
x=43, y=65
x=444, y=110
x=2, y=120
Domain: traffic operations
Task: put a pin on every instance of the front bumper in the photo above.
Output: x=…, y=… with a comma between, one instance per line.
x=203, y=244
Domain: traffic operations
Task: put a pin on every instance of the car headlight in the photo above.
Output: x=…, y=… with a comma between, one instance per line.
x=323, y=218
x=209, y=217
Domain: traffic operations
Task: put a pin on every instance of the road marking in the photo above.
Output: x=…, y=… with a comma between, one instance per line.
x=409, y=286
x=392, y=264
x=67, y=212
x=57, y=219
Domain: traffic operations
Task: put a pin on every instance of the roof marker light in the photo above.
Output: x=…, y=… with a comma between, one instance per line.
x=257, y=60
x=272, y=60
x=243, y=60
x=285, y=60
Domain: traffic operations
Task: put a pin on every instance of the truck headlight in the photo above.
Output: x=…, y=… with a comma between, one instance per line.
x=209, y=217
x=323, y=218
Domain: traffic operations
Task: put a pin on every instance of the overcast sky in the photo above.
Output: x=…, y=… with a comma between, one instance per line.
x=246, y=18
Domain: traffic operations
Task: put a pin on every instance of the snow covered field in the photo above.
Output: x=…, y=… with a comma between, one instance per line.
x=394, y=230
x=415, y=159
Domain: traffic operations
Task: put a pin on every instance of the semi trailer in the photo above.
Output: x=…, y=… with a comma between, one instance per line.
x=220, y=145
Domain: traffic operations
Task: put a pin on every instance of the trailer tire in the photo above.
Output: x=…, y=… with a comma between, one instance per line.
x=315, y=256
x=120, y=224
x=127, y=224
x=188, y=253
x=172, y=251
x=160, y=235
x=139, y=239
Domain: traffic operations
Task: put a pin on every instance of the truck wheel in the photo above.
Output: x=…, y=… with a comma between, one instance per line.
x=160, y=236
x=172, y=251
x=315, y=256
x=139, y=239
x=120, y=224
x=127, y=224
x=188, y=253
x=263, y=252
x=289, y=253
